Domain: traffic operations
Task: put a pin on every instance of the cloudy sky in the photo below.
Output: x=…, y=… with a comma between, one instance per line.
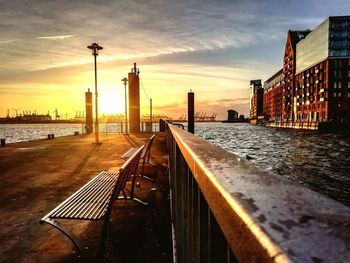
x=213, y=47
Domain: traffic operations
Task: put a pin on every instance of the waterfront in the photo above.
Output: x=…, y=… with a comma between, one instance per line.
x=317, y=160
x=314, y=159
x=26, y=132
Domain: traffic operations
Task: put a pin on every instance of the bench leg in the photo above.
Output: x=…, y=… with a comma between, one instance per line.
x=101, y=250
x=132, y=193
x=67, y=233
x=131, y=197
x=143, y=170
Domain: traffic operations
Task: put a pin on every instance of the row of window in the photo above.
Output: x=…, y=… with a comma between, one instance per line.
x=339, y=63
x=338, y=85
x=339, y=94
x=338, y=74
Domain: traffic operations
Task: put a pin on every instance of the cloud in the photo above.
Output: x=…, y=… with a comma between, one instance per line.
x=127, y=29
x=8, y=41
x=214, y=45
x=57, y=37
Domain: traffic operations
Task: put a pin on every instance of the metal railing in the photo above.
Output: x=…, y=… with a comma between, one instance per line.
x=119, y=127
x=226, y=210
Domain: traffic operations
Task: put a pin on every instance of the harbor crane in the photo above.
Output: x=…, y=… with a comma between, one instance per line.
x=16, y=110
x=57, y=116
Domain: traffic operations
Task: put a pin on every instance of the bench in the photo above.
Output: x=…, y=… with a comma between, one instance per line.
x=94, y=200
x=144, y=156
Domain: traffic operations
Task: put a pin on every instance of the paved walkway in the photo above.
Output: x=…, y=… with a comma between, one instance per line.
x=36, y=176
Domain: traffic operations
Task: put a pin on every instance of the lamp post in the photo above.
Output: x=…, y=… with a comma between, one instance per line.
x=125, y=80
x=95, y=48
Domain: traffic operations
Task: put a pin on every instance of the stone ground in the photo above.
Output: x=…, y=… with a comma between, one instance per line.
x=37, y=176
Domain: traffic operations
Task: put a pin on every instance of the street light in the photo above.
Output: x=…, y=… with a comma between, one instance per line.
x=126, y=116
x=95, y=48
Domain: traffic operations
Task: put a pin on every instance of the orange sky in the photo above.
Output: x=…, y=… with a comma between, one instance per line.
x=211, y=47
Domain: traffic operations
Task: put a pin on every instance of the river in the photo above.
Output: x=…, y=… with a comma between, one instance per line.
x=320, y=161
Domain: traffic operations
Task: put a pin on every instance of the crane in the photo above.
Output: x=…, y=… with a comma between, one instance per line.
x=16, y=110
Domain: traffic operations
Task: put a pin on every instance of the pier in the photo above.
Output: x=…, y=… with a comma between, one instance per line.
x=36, y=176
x=221, y=208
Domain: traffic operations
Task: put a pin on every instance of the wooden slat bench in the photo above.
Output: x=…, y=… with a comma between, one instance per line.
x=144, y=156
x=94, y=200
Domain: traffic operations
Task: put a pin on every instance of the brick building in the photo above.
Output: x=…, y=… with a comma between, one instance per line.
x=273, y=99
x=316, y=78
x=289, y=67
x=323, y=73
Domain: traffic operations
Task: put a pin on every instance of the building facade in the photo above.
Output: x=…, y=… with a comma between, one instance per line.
x=256, y=101
x=289, y=68
x=322, y=92
x=316, y=78
x=273, y=99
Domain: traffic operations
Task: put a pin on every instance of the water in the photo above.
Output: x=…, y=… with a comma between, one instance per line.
x=27, y=132
x=317, y=160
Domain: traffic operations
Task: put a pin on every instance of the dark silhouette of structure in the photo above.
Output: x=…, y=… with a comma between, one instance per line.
x=134, y=99
x=256, y=101
x=232, y=115
x=190, y=111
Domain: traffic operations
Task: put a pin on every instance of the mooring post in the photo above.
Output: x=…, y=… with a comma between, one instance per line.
x=190, y=112
x=161, y=125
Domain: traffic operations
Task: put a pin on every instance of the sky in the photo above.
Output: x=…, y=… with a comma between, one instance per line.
x=213, y=47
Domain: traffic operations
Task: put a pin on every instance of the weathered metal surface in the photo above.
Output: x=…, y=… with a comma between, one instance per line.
x=264, y=217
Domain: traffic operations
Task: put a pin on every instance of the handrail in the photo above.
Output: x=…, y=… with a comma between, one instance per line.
x=262, y=216
x=163, y=123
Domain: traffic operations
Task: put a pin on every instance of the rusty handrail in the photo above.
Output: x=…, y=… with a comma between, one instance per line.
x=262, y=216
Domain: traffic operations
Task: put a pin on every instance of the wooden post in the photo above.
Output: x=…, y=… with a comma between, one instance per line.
x=190, y=112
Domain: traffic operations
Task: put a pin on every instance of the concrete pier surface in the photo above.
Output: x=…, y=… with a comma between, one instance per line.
x=36, y=176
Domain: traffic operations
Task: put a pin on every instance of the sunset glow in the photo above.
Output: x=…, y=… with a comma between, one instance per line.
x=213, y=48
x=111, y=103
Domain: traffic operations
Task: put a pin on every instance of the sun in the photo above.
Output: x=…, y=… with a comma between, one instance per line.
x=111, y=103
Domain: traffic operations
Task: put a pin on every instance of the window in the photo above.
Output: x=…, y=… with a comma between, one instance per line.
x=335, y=94
x=349, y=83
x=349, y=61
x=349, y=73
x=348, y=94
x=335, y=85
x=339, y=94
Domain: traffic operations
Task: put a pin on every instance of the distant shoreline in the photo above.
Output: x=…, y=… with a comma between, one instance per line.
x=42, y=122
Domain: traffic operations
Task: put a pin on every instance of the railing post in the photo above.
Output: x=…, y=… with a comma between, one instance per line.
x=204, y=230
